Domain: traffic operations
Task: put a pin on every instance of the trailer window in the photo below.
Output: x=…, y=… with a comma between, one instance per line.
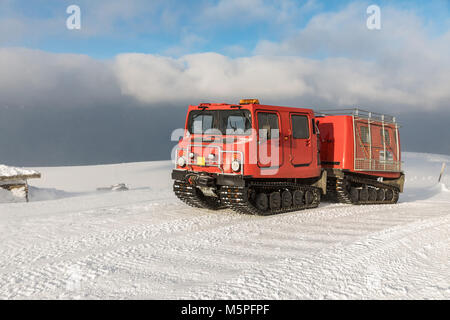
x=386, y=156
x=268, y=125
x=300, y=127
x=365, y=134
x=387, y=138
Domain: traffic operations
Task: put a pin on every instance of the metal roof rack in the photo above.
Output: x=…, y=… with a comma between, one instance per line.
x=358, y=113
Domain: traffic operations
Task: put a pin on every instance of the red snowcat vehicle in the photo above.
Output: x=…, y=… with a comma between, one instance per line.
x=262, y=159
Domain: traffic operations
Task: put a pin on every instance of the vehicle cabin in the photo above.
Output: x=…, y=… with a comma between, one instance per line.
x=265, y=140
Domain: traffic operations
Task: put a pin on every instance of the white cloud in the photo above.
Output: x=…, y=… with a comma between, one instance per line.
x=334, y=81
x=124, y=19
x=235, y=51
x=119, y=18
x=208, y=76
x=398, y=68
x=238, y=12
x=33, y=78
x=187, y=42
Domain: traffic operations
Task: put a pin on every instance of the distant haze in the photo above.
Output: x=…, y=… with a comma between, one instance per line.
x=74, y=136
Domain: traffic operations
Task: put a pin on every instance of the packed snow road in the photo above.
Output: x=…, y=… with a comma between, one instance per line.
x=72, y=241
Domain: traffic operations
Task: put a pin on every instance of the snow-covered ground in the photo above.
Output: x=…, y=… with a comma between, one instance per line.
x=72, y=241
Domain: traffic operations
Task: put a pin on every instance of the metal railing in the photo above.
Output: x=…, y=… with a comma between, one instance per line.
x=358, y=113
x=377, y=165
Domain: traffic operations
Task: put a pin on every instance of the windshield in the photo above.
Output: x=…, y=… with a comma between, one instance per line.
x=225, y=122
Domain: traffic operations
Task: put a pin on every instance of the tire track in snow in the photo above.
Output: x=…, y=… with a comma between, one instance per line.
x=333, y=272
x=207, y=247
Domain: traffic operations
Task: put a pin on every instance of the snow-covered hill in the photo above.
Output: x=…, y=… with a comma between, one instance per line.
x=72, y=241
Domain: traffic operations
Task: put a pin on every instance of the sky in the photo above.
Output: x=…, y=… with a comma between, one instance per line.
x=113, y=90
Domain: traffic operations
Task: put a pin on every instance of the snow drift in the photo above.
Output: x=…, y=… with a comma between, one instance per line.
x=72, y=241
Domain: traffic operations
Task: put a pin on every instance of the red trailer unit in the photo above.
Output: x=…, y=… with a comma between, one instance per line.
x=361, y=152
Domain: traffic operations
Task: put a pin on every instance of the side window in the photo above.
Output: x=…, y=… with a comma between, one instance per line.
x=268, y=125
x=300, y=127
x=387, y=138
x=365, y=134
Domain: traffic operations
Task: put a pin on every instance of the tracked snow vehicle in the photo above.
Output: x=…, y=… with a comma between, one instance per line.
x=261, y=159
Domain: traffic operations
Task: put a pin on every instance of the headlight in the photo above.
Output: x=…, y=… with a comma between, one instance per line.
x=191, y=155
x=211, y=156
x=235, y=165
x=181, y=161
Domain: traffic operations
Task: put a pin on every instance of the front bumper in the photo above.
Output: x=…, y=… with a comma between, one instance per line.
x=209, y=179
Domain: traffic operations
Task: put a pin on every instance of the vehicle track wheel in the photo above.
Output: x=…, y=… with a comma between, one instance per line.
x=286, y=199
x=275, y=200
x=380, y=195
x=262, y=202
x=364, y=194
x=372, y=194
x=389, y=195
x=309, y=197
x=354, y=195
x=298, y=198
x=252, y=194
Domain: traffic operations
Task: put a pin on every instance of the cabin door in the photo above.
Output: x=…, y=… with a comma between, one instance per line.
x=301, y=145
x=269, y=147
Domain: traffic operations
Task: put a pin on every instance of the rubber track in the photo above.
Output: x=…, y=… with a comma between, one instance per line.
x=194, y=197
x=337, y=191
x=236, y=198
